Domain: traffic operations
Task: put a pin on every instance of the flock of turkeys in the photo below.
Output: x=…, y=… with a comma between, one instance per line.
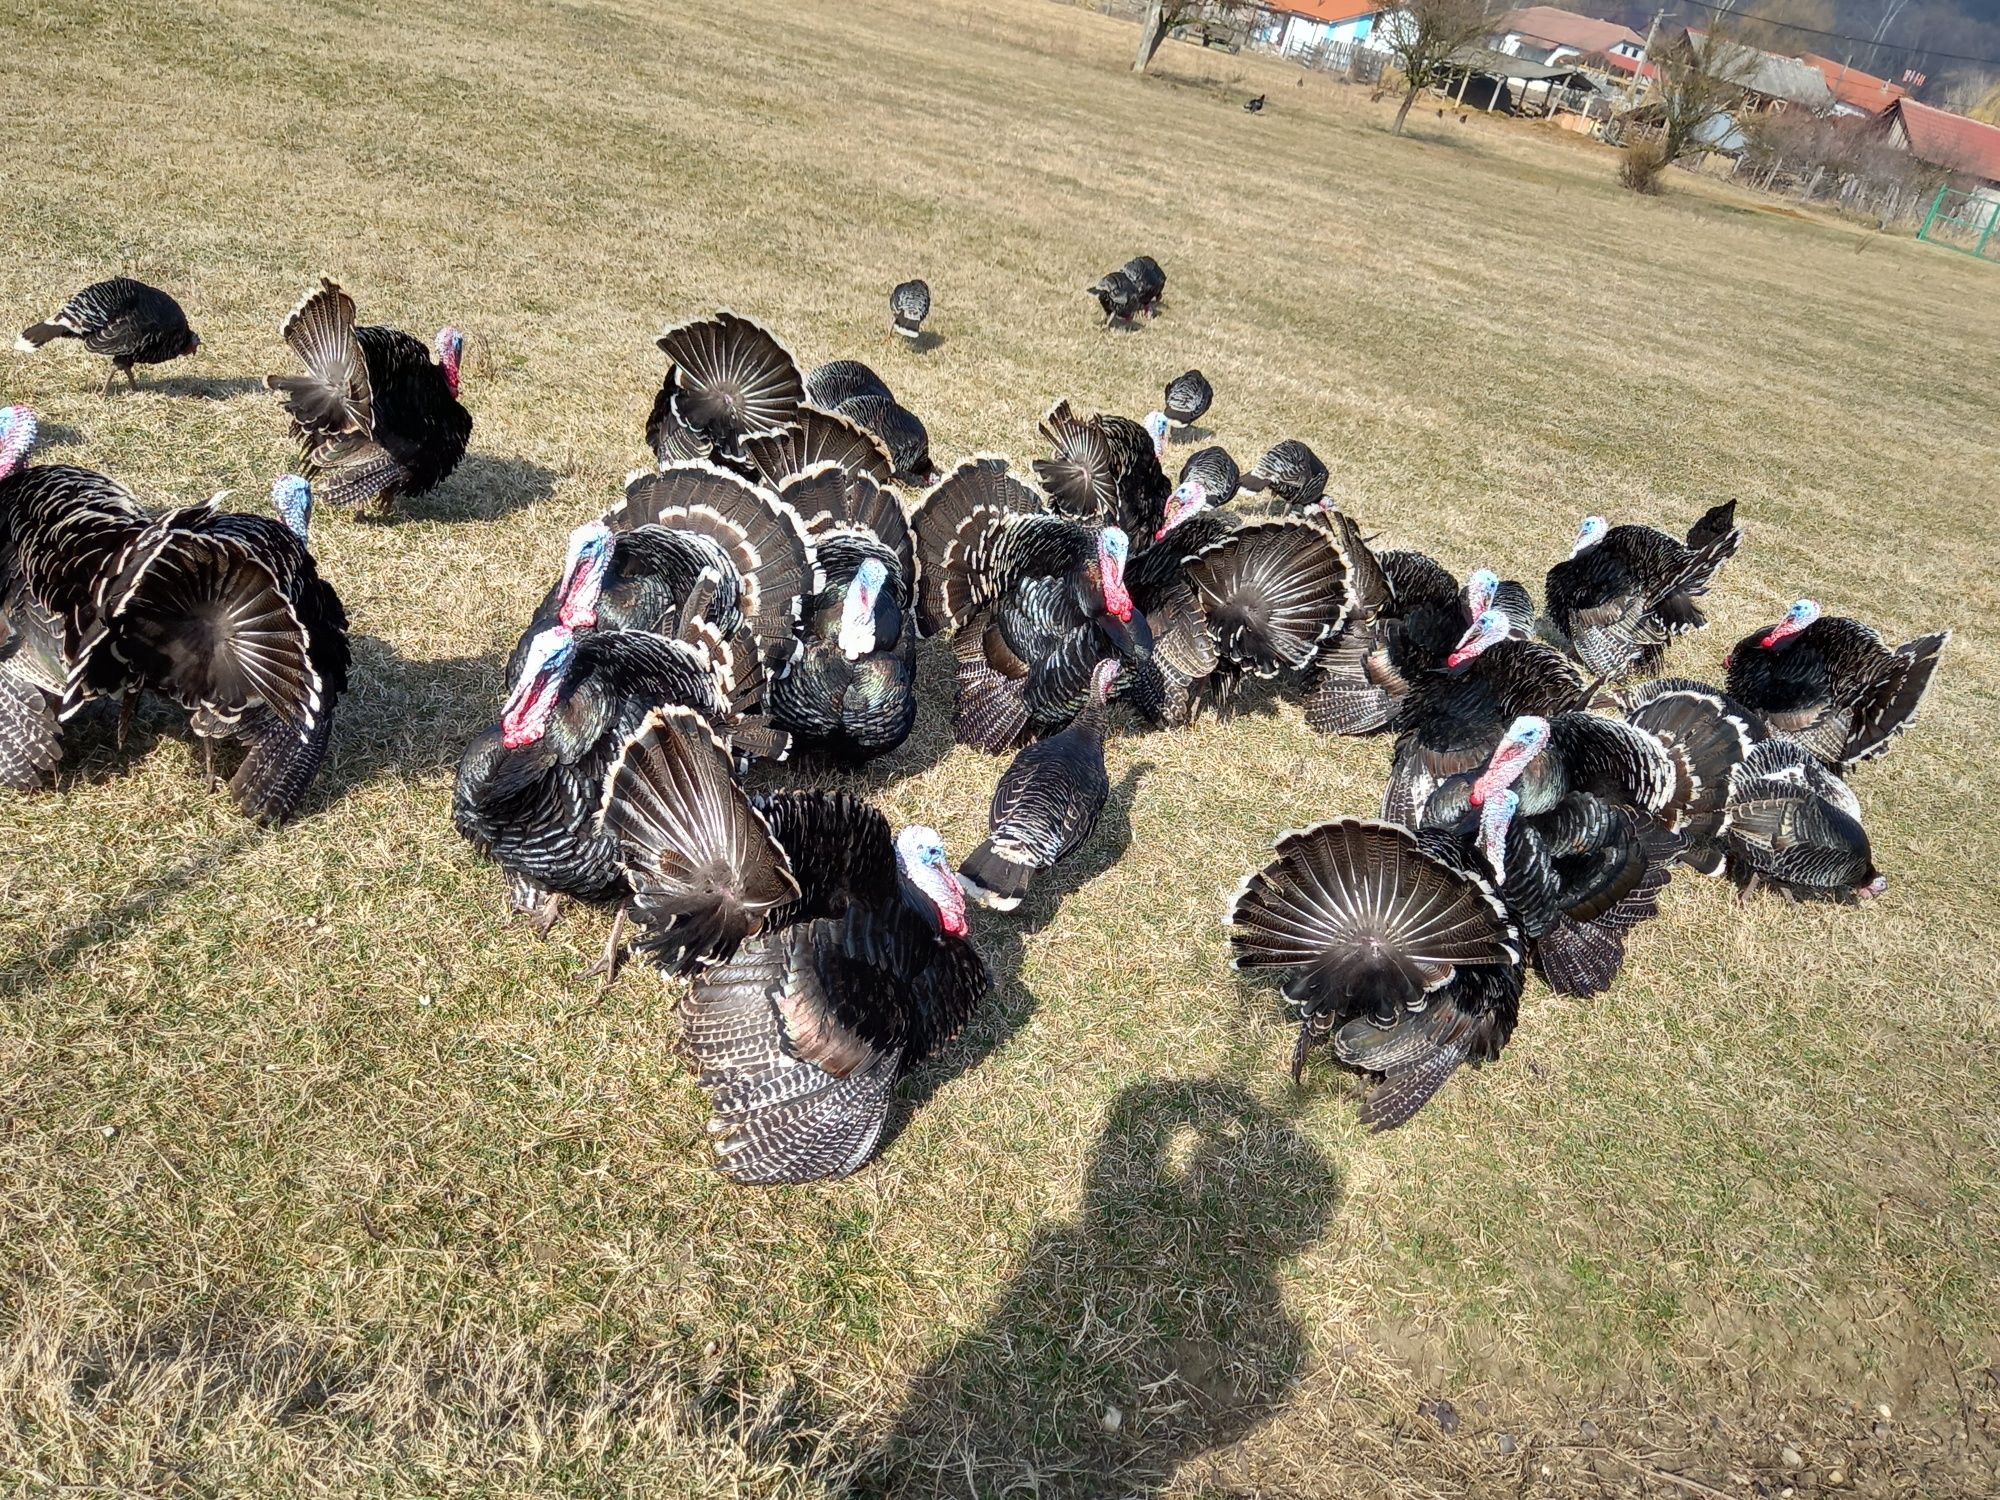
x=757, y=595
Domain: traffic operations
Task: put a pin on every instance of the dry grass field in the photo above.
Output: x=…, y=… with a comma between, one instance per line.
x=318, y=1178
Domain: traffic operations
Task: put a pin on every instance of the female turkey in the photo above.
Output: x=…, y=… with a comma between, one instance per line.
x=1037, y=600
x=901, y=433
x=840, y=380
x=1146, y=275
x=729, y=379
x=1706, y=735
x=909, y=305
x=829, y=956
x=1106, y=468
x=1831, y=684
x=1567, y=814
x=1795, y=827
x=1046, y=805
x=1625, y=591
x=1398, y=951
x=1217, y=471
x=127, y=321
x=851, y=693
x=1120, y=297
x=1292, y=472
x=375, y=420
x=1188, y=397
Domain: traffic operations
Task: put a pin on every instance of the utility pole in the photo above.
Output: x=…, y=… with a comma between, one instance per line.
x=1652, y=31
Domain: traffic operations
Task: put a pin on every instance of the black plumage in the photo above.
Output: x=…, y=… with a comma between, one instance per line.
x=1625, y=592
x=1292, y=472
x=1706, y=735
x=1046, y=804
x=815, y=436
x=1105, y=468
x=838, y=380
x=729, y=379
x=828, y=957
x=909, y=305
x=1037, y=599
x=1397, y=950
x=1121, y=298
x=375, y=418
x=1151, y=282
x=902, y=433
x=1795, y=827
x=1217, y=471
x=1188, y=397
x=1831, y=684
x=127, y=321
x=1254, y=106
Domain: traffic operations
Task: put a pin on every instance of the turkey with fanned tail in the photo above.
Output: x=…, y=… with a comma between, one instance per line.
x=1626, y=591
x=1398, y=951
x=126, y=321
x=829, y=957
x=1706, y=735
x=729, y=379
x=1106, y=468
x=1831, y=685
x=375, y=419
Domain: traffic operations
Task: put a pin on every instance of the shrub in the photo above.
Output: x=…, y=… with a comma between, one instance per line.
x=1641, y=167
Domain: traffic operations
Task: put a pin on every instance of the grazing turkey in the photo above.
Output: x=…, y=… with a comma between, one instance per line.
x=1151, y=281
x=1047, y=803
x=851, y=693
x=1795, y=827
x=1188, y=397
x=1037, y=600
x=909, y=305
x=1217, y=471
x=730, y=379
x=127, y=321
x=1567, y=815
x=1254, y=106
x=1397, y=950
x=1625, y=591
x=901, y=433
x=375, y=419
x=842, y=380
x=1706, y=735
x=829, y=957
x=1292, y=472
x=1119, y=296
x=1831, y=684
x=1106, y=468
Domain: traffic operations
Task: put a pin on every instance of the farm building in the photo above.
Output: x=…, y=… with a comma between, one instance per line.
x=1769, y=82
x=1543, y=34
x=1481, y=78
x=1968, y=149
x=1305, y=26
x=1854, y=92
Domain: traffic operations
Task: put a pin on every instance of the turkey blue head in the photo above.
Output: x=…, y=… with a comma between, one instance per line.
x=1588, y=534
x=1190, y=498
x=1489, y=629
x=526, y=714
x=1797, y=618
x=857, y=610
x=450, y=349
x=921, y=857
x=1522, y=742
x=584, y=570
x=1156, y=424
x=17, y=435
x=1480, y=590
x=1112, y=548
x=292, y=499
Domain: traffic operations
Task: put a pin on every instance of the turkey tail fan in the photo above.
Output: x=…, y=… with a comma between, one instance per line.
x=762, y=537
x=278, y=770
x=1891, y=704
x=991, y=712
x=333, y=396
x=35, y=335
x=1715, y=523
x=702, y=863
x=958, y=526
x=732, y=376
x=671, y=439
x=1081, y=476
x=1705, y=741
x=1272, y=591
x=830, y=498
x=812, y=437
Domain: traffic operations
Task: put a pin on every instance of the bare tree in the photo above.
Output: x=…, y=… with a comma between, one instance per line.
x=1422, y=37
x=1698, y=79
x=1162, y=16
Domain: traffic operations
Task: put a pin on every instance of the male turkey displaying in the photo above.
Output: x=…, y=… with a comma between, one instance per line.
x=1625, y=591
x=729, y=379
x=1831, y=684
x=909, y=305
x=829, y=957
x=1046, y=804
x=1397, y=950
x=1105, y=467
x=127, y=321
x=375, y=419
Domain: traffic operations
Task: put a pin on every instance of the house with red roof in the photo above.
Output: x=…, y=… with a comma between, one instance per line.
x=1543, y=34
x=1952, y=143
x=1303, y=26
x=1854, y=92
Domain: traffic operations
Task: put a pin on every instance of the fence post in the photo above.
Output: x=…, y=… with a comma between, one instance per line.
x=1992, y=217
x=1924, y=233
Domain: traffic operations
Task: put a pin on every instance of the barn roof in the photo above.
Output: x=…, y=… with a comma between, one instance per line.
x=1331, y=11
x=1566, y=28
x=1943, y=139
x=1853, y=87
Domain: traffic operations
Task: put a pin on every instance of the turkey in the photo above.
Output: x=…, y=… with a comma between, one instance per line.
x=1217, y=471
x=1408, y=614
x=829, y=957
x=813, y=436
x=1188, y=397
x=900, y=432
x=1796, y=828
x=841, y=380
x=1037, y=600
x=1254, y=106
x=1451, y=719
x=729, y=379
x=127, y=321
x=1046, y=805
x=1292, y=472
x=1831, y=684
x=909, y=305
x=1706, y=735
x=1146, y=275
x=1396, y=948
x=851, y=694
x=375, y=420
x=1625, y=591
x=1567, y=816
x=1119, y=296
x=1106, y=468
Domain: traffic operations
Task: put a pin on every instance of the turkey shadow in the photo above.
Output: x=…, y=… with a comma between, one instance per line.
x=56, y=435
x=1001, y=936
x=403, y=717
x=201, y=387
x=1191, y=433
x=1143, y=1333
x=925, y=341
x=482, y=488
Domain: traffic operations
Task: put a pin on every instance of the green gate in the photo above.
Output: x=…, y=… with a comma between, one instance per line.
x=1963, y=221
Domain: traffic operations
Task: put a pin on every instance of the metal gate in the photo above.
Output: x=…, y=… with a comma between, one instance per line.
x=1964, y=221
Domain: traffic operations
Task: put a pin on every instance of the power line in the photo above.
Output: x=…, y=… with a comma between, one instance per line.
x=1841, y=36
